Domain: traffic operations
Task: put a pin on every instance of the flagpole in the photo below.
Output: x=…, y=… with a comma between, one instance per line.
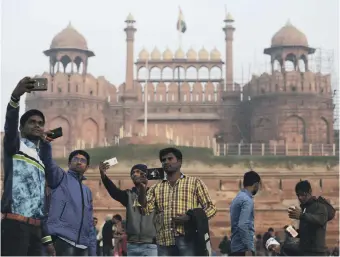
x=146, y=99
x=179, y=47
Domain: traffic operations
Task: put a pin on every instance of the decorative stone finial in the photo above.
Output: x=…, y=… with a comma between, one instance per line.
x=288, y=23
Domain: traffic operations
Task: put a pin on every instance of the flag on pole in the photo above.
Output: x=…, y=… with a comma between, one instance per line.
x=181, y=25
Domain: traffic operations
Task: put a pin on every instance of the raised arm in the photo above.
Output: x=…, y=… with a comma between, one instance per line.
x=244, y=223
x=320, y=216
x=11, y=137
x=204, y=199
x=54, y=174
x=117, y=194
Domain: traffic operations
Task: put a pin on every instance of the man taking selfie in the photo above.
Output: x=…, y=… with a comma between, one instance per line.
x=171, y=199
x=70, y=219
x=140, y=230
x=23, y=199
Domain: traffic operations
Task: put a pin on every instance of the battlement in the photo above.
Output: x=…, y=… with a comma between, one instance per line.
x=288, y=82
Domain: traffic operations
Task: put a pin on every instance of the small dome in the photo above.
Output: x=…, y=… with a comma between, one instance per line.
x=179, y=54
x=156, y=54
x=215, y=54
x=191, y=54
x=130, y=17
x=203, y=54
x=229, y=17
x=69, y=38
x=289, y=36
x=167, y=54
x=143, y=55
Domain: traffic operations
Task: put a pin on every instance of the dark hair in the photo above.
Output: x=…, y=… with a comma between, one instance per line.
x=81, y=152
x=258, y=236
x=250, y=178
x=117, y=217
x=172, y=150
x=29, y=114
x=270, y=230
x=303, y=187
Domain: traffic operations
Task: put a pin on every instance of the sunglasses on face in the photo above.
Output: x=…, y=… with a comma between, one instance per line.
x=81, y=160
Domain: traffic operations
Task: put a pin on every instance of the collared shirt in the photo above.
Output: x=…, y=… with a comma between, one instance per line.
x=242, y=222
x=171, y=201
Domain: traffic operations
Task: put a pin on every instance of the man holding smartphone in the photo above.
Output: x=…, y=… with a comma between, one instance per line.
x=70, y=219
x=140, y=229
x=23, y=199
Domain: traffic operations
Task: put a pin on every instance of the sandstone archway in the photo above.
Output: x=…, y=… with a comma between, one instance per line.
x=323, y=131
x=90, y=133
x=294, y=130
x=65, y=124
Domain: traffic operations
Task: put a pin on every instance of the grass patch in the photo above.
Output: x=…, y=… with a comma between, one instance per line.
x=145, y=153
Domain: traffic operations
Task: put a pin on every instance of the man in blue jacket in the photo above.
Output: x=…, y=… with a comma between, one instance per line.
x=70, y=218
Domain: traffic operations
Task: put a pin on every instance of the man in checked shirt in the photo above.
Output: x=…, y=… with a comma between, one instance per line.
x=171, y=199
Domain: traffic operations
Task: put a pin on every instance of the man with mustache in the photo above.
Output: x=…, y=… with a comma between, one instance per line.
x=242, y=216
x=171, y=199
x=23, y=199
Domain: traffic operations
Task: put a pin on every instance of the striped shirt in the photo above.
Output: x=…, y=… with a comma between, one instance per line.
x=168, y=202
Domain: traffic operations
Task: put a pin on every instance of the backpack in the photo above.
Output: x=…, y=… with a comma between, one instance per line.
x=330, y=209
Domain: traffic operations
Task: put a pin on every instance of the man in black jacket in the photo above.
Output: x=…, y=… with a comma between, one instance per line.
x=313, y=218
x=140, y=228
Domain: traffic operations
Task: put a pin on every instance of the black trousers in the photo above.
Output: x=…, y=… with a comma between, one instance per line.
x=240, y=254
x=20, y=239
x=63, y=248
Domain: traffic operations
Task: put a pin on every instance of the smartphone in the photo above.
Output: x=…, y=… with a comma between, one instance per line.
x=40, y=84
x=292, y=231
x=155, y=174
x=113, y=161
x=56, y=133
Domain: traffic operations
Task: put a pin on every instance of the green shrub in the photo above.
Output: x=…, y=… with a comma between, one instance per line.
x=145, y=153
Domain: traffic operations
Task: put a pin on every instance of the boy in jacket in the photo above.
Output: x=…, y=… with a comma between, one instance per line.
x=70, y=219
x=23, y=198
x=140, y=228
x=313, y=216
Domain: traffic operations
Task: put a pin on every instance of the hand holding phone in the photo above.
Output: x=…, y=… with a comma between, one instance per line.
x=40, y=84
x=111, y=162
x=292, y=231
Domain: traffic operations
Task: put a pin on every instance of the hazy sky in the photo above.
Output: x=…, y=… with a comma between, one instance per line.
x=28, y=27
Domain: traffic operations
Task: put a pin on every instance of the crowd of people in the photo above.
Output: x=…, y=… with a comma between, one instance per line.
x=47, y=210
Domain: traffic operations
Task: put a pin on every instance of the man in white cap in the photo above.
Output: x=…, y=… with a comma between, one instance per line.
x=273, y=246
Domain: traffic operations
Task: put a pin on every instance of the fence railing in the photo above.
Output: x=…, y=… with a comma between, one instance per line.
x=276, y=149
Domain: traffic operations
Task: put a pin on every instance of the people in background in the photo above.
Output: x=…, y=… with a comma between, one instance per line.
x=224, y=246
x=242, y=216
x=266, y=236
x=108, y=231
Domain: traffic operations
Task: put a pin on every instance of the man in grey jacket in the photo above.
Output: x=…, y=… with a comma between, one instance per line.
x=140, y=228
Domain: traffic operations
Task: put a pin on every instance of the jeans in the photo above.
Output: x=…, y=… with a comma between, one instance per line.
x=20, y=239
x=182, y=247
x=134, y=249
x=63, y=248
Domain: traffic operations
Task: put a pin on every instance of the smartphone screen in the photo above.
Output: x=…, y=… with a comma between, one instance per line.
x=56, y=133
x=40, y=84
